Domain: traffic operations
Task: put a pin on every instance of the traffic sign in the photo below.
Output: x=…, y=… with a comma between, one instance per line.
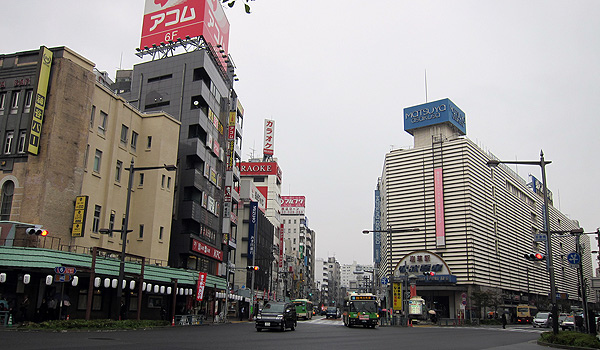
x=385, y=281
x=574, y=259
x=65, y=270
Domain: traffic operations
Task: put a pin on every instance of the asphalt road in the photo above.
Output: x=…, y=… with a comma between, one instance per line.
x=309, y=335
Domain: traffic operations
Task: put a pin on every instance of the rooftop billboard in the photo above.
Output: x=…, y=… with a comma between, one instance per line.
x=432, y=113
x=169, y=20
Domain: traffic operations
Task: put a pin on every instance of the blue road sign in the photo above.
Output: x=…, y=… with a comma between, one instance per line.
x=574, y=258
x=385, y=281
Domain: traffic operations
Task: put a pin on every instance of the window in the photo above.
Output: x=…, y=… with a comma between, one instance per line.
x=2, y=101
x=169, y=182
x=103, y=123
x=149, y=143
x=134, y=138
x=14, y=103
x=97, y=161
x=92, y=116
x=28, y=97
x=141, y=183
x=111, y=223
x=22, y=139
x=124, y=134
x=86, y=156
x=162, y=182
x=10, y=135
x=96, y=222
x=118, y=171
x=8, y=189
x=141, y=231
x=160, y=233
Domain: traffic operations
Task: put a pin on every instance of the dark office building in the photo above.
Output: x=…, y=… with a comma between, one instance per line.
x=198, y=92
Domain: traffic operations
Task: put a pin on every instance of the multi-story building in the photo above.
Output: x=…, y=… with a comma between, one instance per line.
x=335, y=293
x=299, y=243
x=321, y=281
x=475, y=223
x=195, y=88
x=68, y=143
x=356, y=277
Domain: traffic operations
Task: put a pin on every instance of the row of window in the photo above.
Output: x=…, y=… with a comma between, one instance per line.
x=124, y=139
x=165, y=181
x=96, y=224
x=16, y=100
x=9, y=142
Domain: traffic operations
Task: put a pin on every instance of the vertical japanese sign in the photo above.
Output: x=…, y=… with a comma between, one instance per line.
x=397, y=290
x=201, y=285
x=79, y=216
x=252, y=229
x=281, y=246
x=269, y=142
x=40, y=102
x=438, y=188
x=376, y=228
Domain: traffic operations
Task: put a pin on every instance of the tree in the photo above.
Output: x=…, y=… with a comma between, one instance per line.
x=231, y=3
x=486, y=298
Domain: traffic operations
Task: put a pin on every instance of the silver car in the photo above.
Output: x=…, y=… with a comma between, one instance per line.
x=542, y=319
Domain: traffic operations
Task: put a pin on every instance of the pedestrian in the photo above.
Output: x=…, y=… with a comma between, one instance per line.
x=123, y=310
x=242, y=309
x=24, y=307
x=503, y=320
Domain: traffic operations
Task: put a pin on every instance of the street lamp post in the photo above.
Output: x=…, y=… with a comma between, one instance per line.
x=542, y=164
x=124, y=230
x=389, y=231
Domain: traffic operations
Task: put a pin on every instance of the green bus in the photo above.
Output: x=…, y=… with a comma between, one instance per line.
x=361, y=309
x=304, y=308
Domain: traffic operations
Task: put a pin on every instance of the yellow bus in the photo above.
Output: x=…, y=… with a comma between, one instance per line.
x=525, y=313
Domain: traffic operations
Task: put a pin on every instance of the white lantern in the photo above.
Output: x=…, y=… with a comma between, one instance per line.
x=131, y=284
x=156, y=288
x=106, y=282
x=180, y=292
x=162, y=289
x=115, y=283
x=2, y=277
x=124, y=284
x=97, y=282
x=189, y=291
x=149, y=287
x=48, y=280
x=169, y=290
x=75, y=281
x=26, y=278
x=144, y=286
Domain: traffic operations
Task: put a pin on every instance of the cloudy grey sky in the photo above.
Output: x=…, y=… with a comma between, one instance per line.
x=335, y=76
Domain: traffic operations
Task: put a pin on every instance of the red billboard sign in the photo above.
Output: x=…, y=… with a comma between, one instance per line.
x=201, y=285
x=169, y=20
x=260, y=168
x=293, y=205
x=269, y=141
x=207, y=250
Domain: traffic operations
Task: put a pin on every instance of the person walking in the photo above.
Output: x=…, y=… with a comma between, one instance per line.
x=242, y=309
x=503, y=320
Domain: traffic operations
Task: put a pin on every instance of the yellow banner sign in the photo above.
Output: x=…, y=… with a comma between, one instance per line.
x=397, y=289
x=79, y=216
x=40, y=102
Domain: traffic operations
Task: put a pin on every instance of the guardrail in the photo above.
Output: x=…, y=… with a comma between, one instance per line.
x=188, y=320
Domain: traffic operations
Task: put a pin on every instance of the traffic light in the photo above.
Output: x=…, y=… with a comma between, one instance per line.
x=37, y=230
x=535, y=257
x=250, y=268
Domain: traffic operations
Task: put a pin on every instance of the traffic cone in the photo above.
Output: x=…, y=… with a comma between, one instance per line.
x=410, y=323
x=68, y=317
x=10, y=322
x=173, y=322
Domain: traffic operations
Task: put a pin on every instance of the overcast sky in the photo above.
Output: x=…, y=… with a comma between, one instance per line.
x=335, y=76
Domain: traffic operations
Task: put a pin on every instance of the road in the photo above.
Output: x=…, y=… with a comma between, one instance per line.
x=309, y=335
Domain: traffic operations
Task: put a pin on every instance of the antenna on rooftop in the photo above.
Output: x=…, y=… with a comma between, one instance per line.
x=426, y=86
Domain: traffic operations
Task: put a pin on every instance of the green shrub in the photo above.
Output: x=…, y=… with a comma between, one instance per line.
x=572, y=339
x=103, y=324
